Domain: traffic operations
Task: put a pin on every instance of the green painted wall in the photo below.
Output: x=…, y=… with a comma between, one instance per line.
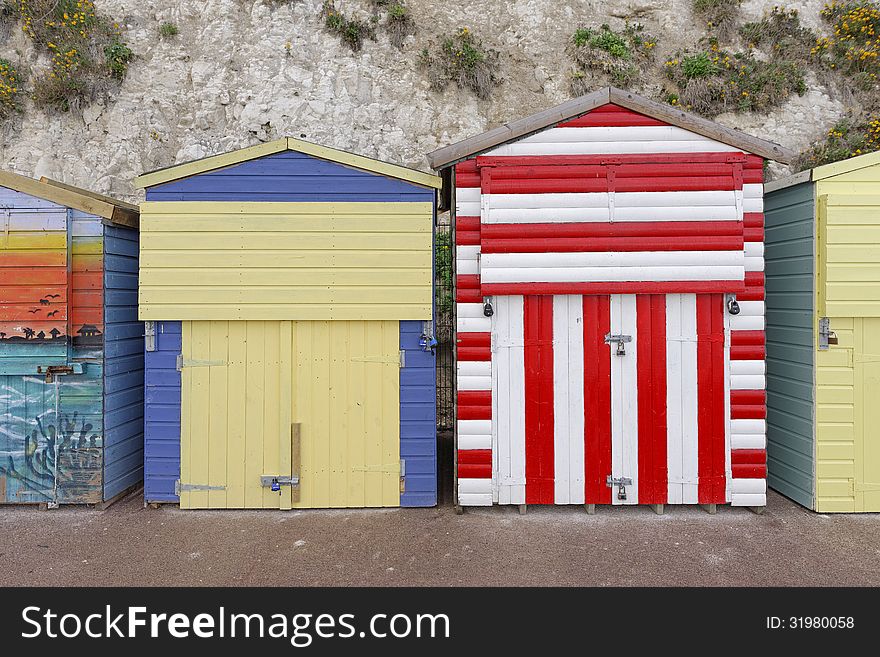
x=789, y=270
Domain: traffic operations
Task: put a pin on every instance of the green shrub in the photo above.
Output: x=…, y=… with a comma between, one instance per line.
x=168, y=30
x=86, y=50
x=850, y=137
x=619, y=56
x=10, y=88
x=351, y=31
x=780, y=31
x=400, y=23
x=712, y=81
x=721, y=16
x=462, y=59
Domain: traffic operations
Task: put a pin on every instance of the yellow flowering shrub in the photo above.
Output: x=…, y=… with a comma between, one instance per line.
x=848, y=138
x=10, y=88
x=619, y=56
x=86, y=51
x=854, y=45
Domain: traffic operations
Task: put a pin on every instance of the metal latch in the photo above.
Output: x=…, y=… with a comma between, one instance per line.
x=826, y=335
x=53, y=370
x=275, y=482
x=620, y=482
x=621, y=340
x=181, y=488
x=150, y=336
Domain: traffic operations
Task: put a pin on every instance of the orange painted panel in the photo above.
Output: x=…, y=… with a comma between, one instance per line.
x=87, y=280
x=33, y=259
x=36, y=276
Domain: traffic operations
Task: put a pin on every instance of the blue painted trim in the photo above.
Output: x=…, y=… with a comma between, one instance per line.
x=162, y=415
x=418, y=419
x=123, y=364
x=289, y=177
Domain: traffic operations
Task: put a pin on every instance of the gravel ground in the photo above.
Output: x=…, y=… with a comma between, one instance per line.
x=131, y=545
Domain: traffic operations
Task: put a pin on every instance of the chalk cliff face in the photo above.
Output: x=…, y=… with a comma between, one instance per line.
x=244, y=71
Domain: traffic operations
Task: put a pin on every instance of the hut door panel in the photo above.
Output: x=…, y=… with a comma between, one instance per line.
x=28, y=417
x=246, y=385
x=626, y=390
x=867, y=466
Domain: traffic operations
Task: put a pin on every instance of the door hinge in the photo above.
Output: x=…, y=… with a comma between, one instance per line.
x=193, y=362
x=399, y=361
x=402, y=476
x=150, y=336
x=181, y=488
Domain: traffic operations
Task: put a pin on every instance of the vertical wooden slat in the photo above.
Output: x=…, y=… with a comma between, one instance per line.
x=374, y=409
x=271, y=401
x=186, y=435
x=391, y=413
x=255, y=496
x=236, y=402
x=285, y=397
x=218, y=412
x=357, y=412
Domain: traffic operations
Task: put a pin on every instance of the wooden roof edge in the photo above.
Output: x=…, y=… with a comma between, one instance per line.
x=222, y=160
x=466, y=148
x=71, y=197
x=788, y=181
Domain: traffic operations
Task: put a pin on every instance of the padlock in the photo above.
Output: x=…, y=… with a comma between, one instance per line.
x=621, y=492
x=276, y=487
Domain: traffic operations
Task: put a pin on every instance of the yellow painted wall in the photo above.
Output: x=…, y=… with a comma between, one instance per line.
x=244, y=383
x=848, y=374
x=285, y=261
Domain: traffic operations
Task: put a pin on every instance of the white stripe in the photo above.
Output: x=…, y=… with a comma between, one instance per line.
x=634, y=272
x=748, y=308
x=467, y=260
x=508, y=400
x=749, y=427
x=753, y=190
x=748, y=499
x=469, y=310
x=747, y=381
x=474, y=486
x=753, y=205
x=475, y=499
x=474, y=382
x=482, y=441
x=467, y=195
x=568, y=399
x=624, y=399
x=752, y=486
x=474, y=427
x=681, y=395
x=474, y=368
x=754, y=249
x=746, y=323
x=747, y=440
x=624, y=139
x=473, y=325
x=87, y=228
x=613, y=259
x=740, y=367
x=34, y=221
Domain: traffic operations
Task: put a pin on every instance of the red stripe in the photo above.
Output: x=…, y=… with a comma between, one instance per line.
x=467, y=166
x=753, y=234
x=750, y=456
x=710, y=396
x=753, y=219
x=617, y=158
x=473, y=346
x=614, y=287
x=754, y=278
x=468, y=296
x=467, y=223
x=474, y=339
x=748, y=397
x=623, y=171
x=751, y=294
x=580, y=185
x=749, y=471
x=538, y=339
x=753, y=176
x=475, y=456
x=467, y=230
x=474, y=405
x=748, y=412
x=747, y=352
x=617, y=230
x=610, y=115
x=742, y=338
x=597, y=399
x=467, y=180
x=468, y=281
x=474, y=471
x=651, y=339
x=569, y=245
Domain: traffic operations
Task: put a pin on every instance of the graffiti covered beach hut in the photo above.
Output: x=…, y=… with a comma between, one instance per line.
x=610, y=312
x=823, y=332
x=287, y=289
x=71, y=349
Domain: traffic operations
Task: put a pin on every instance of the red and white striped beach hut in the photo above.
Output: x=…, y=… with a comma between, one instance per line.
x=610, y=307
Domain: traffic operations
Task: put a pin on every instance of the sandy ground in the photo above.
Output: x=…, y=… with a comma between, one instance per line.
x=131, y=545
